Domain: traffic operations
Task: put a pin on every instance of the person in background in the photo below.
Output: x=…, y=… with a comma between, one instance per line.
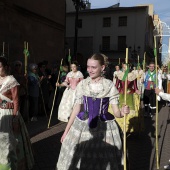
x=140, y=77
x=15, y=146
x=149, y=93
x=33, y=91
x=164, y=81
x=133, y=120
x=44, y=88
x=67, y=101
x=164, y=78
x=164, y=96
x=54, y=75
x=117, y=67
x=60, y=89
x=47, y=69
x=53, y=80
x=107, y=72
x=168, y=86
x=22, y=80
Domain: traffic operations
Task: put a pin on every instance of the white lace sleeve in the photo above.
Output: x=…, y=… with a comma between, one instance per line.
x=164, y=96
x=79, y=94
x=114, y=99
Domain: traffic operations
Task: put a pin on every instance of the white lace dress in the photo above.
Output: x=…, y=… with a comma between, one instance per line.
x=15, y=147
x=98, y=147
x=68, y=98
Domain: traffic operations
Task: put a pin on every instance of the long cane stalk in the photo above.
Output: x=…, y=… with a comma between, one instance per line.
x=144, y=61
x=69, y=59
x=157, y=149
x=139, y=96
x=125, y=97
x=25, y=56
x=168, y=69
x=25, y=72
x=55, y=94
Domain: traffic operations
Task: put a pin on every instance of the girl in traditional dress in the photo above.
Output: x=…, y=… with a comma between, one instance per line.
x=134, y=119
x=117, y=67
x=15, y=148
x=67, y=101
x=92, y=139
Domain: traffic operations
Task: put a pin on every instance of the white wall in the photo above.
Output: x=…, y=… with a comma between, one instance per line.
x=92, y=26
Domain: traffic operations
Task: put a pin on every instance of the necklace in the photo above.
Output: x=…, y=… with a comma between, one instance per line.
x=96, y=81
x=95, y=91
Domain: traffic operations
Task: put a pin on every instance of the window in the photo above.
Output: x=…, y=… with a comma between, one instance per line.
x=79, y=23
x=107, y=22
x=123, y=21
x=121, y=43
x=106, y=43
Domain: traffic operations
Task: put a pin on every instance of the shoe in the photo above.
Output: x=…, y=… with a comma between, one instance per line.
x=33, y=119
x=167, y=167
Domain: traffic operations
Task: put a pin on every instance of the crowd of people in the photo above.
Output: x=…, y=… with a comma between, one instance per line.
x=91, y=102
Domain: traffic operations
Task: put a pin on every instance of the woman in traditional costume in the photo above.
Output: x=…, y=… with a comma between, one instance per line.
x=117, y=67
x=67, y=101
x=92, y=139
x=15, y=147
x=134, y=119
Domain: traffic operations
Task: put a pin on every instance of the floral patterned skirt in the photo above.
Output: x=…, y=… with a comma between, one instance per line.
x=99, y=148
x=66, y=105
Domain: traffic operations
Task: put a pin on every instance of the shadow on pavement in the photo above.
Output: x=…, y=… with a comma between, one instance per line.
x=139, y=147
x=46, y=152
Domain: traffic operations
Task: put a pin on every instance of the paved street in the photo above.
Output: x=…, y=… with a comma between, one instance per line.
x=141, y=148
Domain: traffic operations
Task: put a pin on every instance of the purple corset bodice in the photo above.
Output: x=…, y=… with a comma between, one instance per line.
x=95, y=109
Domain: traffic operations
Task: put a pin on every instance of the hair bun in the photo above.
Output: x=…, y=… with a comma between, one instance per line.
x=106, y=61
x=3, y=60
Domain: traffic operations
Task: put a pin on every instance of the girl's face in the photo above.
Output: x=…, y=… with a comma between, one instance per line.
x=2, y=70
x=151, y=67
x=117, y=68
x=94, y=68
x=73, y=67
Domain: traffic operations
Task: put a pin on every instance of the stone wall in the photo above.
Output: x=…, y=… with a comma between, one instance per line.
x=41, y=23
